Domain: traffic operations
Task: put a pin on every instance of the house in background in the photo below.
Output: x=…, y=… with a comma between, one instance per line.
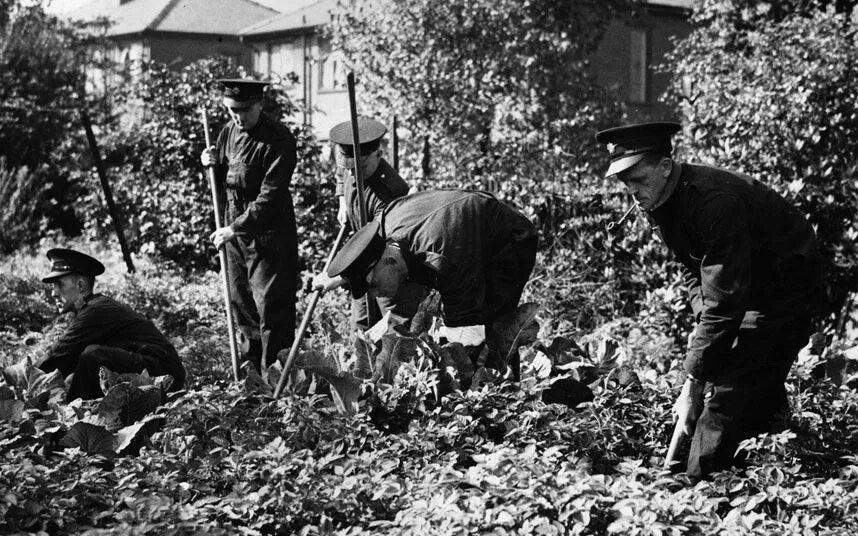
x=177, y=32
x=294, y=43
x=174, y=32
x=632, y=48
x=624, y=60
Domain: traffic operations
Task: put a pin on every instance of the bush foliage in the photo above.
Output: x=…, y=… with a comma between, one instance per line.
x=409, y=452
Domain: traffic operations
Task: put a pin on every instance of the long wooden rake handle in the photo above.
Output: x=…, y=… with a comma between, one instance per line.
x=224, y=269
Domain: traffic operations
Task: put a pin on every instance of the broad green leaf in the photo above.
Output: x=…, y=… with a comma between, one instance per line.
x=254, y=383
x=395, y=349
x=567, y=391
x=89, y=438
x=345, y=386
x=47, y=389
x=108, y=378
x=11, y=410
x=129, y=439
x=379, y=329
x=346, y=390
x=271, y=375
x=363, y=363
x=17, y=375
x=125, y=403
x=508, y=332
x=563, y=350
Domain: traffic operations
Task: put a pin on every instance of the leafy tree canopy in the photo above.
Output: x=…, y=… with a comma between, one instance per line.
x=476, y=77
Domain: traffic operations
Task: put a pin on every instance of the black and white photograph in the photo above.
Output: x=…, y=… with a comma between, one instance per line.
x=429, y=267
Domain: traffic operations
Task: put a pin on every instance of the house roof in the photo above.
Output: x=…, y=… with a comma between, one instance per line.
x=316, y=14
x=319, y=13
x=225, y=17
x=684, y=4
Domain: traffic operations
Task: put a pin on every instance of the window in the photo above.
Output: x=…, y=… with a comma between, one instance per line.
x=260, y=61
x=639, y=44
x=285, y=58
x=332, y=72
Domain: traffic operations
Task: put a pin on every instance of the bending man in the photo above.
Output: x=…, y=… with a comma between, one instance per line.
x=753, y=269
x=475, y=250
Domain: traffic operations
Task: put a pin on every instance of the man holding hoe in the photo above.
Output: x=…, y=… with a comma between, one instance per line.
x=475, y=250
x=382, y=185
x=253, y=160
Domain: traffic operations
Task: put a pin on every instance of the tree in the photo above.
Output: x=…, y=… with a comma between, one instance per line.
x=486, y=84
x=769, y=88
x=41, y=81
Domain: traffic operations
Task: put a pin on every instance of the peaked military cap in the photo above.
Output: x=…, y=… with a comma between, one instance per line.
x=68, y=261
x=242, y=90
x=360, y=252
x=369, y=132
x=629, y=144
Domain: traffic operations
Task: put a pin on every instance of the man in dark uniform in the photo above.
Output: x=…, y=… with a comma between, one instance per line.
x=254, y=159
x=754, y=272
x=103, y=332
x=475, y=250
x=382, y=184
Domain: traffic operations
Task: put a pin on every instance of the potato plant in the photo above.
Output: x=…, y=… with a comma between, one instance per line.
x=390, y=437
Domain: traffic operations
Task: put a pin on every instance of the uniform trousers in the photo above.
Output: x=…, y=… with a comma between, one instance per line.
x=85, y=382
x=263, y=287
x=749, y=392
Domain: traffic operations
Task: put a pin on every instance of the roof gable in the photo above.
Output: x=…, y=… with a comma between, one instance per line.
x=311, y=16
x=186, y=16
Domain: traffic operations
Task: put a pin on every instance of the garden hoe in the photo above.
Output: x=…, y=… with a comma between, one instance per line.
x=224, y=274
x=308, y=314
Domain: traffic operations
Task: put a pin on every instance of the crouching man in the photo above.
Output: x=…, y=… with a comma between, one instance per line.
x=475, y=250
x=103, y=332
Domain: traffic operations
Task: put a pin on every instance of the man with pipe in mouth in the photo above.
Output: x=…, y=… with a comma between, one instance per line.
x=475, y=250
x=102, y=332
x=254, y=159
x=753, y=270
x=382, y=185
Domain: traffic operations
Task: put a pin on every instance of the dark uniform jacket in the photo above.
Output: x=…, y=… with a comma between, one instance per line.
x=380, y=189
x=750, y=256
x=256, y=168
x=104, y=321
x=475, y=250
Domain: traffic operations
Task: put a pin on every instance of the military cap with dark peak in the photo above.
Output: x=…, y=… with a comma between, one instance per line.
x=68, y=261
x=629, y=144
x=360, y=252
x=238, y=91
x=369, y=132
